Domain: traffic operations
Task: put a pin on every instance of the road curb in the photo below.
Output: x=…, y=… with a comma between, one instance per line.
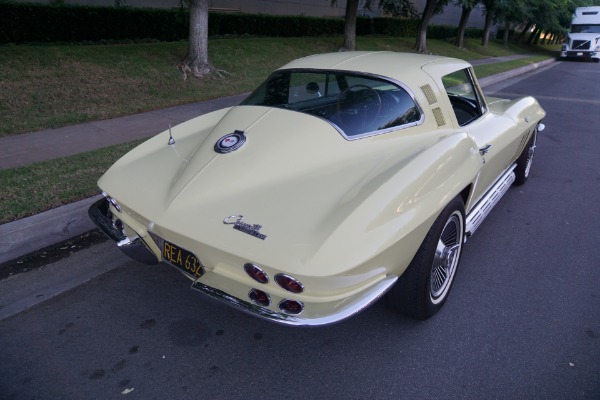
x=30, y=234
x=490, y=80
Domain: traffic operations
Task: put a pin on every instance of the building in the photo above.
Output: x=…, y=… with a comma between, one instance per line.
x=320, y=8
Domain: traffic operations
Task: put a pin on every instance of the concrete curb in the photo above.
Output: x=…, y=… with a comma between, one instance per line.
x=490, y=80
x=30, y=234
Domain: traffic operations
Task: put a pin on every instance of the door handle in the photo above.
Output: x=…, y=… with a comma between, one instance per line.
x=484, y=150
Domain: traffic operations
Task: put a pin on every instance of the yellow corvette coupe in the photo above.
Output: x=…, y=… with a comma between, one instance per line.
x=342, y=178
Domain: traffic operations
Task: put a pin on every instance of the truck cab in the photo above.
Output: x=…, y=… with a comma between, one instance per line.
x=583, y=41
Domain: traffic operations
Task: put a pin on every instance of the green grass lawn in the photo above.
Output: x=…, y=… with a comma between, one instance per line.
x=45, y=87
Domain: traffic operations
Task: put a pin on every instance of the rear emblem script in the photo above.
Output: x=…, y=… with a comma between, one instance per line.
x=230, y=142
x=238, y=223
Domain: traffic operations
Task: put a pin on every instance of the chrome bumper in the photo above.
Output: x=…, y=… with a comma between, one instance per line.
x=133, y=247
x=354, y=305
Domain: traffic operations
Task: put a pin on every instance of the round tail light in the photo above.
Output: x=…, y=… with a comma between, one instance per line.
x=259, y=297
x=256, y=273
x=291, y=307
x=288, y=283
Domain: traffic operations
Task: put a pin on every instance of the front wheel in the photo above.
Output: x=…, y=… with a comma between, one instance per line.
x=423, y=288
x=525, y=161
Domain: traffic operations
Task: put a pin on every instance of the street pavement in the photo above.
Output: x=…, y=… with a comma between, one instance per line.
x=33, y=233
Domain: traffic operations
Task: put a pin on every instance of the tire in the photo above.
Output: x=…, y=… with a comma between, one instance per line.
x=525, y=161
x=424, y=287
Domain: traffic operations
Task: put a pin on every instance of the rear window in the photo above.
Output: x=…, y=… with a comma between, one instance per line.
x=358, y=105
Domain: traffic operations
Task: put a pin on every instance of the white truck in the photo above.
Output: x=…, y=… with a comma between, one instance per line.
x=584, y=39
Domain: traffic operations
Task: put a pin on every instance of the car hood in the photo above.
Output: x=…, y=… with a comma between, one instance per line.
x=295, y=176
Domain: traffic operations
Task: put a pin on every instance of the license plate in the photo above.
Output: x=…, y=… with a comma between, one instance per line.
x=183, y=259
x=579, y=54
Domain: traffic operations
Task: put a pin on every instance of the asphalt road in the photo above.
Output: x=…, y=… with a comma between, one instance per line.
x=522, y=321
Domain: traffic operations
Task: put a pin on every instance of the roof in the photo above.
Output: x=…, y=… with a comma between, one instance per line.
x=404, y=67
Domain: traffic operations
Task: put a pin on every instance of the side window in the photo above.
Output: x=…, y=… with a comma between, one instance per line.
x=466, y=101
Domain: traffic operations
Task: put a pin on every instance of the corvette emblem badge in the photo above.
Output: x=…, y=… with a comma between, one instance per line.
x=230, y=142
x=238, y=223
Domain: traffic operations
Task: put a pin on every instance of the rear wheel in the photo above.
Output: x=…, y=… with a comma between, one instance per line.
x=525, y=161
x=423, y=288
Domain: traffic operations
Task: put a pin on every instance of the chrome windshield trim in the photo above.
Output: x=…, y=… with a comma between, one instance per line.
x=478, y=93
x=365, y=74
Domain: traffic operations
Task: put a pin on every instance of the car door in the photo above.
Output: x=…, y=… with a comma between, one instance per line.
x=496, y=135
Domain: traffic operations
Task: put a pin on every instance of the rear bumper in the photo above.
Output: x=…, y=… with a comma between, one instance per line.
x=218, y=284
x=335, y=312
x=133, y=247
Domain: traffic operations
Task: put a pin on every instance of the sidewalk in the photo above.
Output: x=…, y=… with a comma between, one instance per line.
x=30, y=234
x=29, y=148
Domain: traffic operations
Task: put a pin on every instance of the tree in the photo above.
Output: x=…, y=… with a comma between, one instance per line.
x=196, y=62
x=467, y=7
x=490, y=6
x=350, y=25
x=396, y=8
x=431, y=7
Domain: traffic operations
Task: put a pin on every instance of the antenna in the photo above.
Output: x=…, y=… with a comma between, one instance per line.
x=171, y=140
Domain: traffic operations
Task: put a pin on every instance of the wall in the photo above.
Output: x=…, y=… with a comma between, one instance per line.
x=450, y=16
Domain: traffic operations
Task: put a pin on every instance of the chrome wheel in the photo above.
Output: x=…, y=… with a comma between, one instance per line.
x=447, y=255
x=525, y=160
x=424, y=287
x=530, y=153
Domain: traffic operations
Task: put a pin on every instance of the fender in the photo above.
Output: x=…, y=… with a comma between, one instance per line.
x=390, y=225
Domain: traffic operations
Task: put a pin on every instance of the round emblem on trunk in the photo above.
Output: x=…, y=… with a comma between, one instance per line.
x=230, y=142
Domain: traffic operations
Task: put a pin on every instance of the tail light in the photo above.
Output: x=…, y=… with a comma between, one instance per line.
x=256, y=273
x=289, y=283
x=259, y=297
x=291, y=307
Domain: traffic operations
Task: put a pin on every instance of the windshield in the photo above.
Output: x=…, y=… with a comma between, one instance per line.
x=358, y=105
x=588, y=28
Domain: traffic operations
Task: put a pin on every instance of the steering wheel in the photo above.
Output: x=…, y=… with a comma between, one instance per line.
x=358, y=105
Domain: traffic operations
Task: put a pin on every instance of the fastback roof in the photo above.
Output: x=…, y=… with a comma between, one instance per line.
x=405, y=67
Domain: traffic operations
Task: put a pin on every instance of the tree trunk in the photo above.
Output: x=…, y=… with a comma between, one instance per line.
x=524, y=32
x=350, y=26
x=489, y=14
x=462, y=25
x=506, y=34
x=537, y=37
x=533, y=35
x=421, y=44
x=196, y=61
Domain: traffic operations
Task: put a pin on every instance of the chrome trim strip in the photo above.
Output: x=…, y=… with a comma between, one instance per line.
x=133, y=247
x=488, y=201
x=366, y=298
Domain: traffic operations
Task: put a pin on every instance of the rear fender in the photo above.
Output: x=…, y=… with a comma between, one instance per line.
x=390, y=225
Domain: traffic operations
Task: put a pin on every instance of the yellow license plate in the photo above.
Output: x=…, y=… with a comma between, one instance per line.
x=182, y=259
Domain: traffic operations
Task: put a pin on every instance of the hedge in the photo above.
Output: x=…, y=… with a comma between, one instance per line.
x=42, y=23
